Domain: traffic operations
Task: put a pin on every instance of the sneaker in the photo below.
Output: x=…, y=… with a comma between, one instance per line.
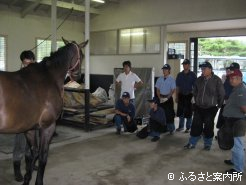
x=179, y=129
x=189, y=146
x=154, y=139
x=232, y=171
x=187, y=130
x=228, y=162
x=207, y=148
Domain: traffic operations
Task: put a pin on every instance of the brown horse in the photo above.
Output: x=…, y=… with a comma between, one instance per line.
x=32, y=98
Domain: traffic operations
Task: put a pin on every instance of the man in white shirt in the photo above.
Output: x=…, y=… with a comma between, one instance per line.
x=128, y=80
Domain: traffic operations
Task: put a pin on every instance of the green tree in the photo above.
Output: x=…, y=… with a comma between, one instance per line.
x=221, y=47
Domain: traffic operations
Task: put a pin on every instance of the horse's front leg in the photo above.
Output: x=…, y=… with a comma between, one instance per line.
x=45, y=138
x=30, y=155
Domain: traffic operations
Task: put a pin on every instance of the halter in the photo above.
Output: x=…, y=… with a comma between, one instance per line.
x=75, y=65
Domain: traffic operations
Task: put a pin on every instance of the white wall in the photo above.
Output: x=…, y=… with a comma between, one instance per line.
x=135, y=13
x=22, y=32
x=131, y=13
x=106, y=64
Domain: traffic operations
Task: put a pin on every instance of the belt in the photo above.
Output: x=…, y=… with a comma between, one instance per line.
x=164, y=96
x=185, y=94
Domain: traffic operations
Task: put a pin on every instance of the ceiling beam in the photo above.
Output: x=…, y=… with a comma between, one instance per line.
x=66, y=5
x=30, y=8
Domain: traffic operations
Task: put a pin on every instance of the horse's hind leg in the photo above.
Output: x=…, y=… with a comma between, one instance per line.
x=45, y=138
x=30, y=155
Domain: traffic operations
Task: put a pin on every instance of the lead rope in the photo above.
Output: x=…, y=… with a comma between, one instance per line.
x=75, y=65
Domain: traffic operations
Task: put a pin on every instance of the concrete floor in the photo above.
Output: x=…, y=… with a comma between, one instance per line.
x=103, y=158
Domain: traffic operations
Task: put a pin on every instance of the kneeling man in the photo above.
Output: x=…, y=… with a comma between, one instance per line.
x=125, y=113
x=157, y=122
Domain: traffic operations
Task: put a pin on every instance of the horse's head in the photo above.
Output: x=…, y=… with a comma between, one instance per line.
x=74, y=69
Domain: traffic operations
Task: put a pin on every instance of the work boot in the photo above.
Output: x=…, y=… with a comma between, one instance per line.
x=17, y=171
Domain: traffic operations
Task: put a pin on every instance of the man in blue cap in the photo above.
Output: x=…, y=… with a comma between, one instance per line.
x=185, y=82
x=125, y=113
x=157, y=121
x=209, y=96
x=165, y=88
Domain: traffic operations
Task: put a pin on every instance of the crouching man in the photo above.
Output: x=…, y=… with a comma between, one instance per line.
x=157, y=122
x=125, y=113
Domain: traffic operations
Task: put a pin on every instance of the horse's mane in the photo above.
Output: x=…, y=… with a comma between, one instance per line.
x=58, y=57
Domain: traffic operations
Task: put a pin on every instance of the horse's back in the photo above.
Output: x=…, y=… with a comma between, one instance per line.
x=25, y=96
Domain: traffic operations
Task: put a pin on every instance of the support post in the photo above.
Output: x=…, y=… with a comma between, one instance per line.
x=87, y=66
x=53, y=25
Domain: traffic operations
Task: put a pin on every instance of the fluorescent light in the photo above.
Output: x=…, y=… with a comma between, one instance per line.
x=99, y=1
x=132, y=34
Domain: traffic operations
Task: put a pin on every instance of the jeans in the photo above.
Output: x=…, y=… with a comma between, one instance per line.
x=207, y=141
x=193, y=140
x=118, y=122
x=182, y=120
x=20, y=147
x=238, y=154
x=170, y=127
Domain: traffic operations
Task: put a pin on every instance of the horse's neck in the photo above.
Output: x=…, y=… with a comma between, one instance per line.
x=59, y=74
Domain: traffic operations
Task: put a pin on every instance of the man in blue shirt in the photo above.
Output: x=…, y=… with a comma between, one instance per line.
x=125, y=113
x=165, y=88
x=157, y=121
x=185, y=82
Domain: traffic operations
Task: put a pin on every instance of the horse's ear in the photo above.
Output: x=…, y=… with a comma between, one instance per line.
x=65, y=41
x=83, y=44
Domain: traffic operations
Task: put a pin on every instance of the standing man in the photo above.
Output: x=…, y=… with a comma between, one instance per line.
x=185, y=82
x=228, y=89
x=209, y=96
x=165, y=88
x=124, y=114
x=20, y=145
x=128, y=80
x=234, y=113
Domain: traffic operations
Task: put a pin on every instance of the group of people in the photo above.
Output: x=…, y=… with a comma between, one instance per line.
x=198, y=101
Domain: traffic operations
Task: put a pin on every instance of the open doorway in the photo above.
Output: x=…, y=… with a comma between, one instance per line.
x=220, y=52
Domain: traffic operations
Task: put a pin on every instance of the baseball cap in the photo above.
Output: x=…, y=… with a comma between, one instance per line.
x=186, y=61
x=233, y=66
x=125, y=95
x=206, y=64
x=236, y=72
x=166, y=66
x=154, y=100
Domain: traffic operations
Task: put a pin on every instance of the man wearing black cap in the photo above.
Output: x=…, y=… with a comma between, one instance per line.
x=125, y=113
x=185, y=82
x=165, y=88
x=234, y=113
x=157, y=119
x=228, y=89
x=209, y=96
